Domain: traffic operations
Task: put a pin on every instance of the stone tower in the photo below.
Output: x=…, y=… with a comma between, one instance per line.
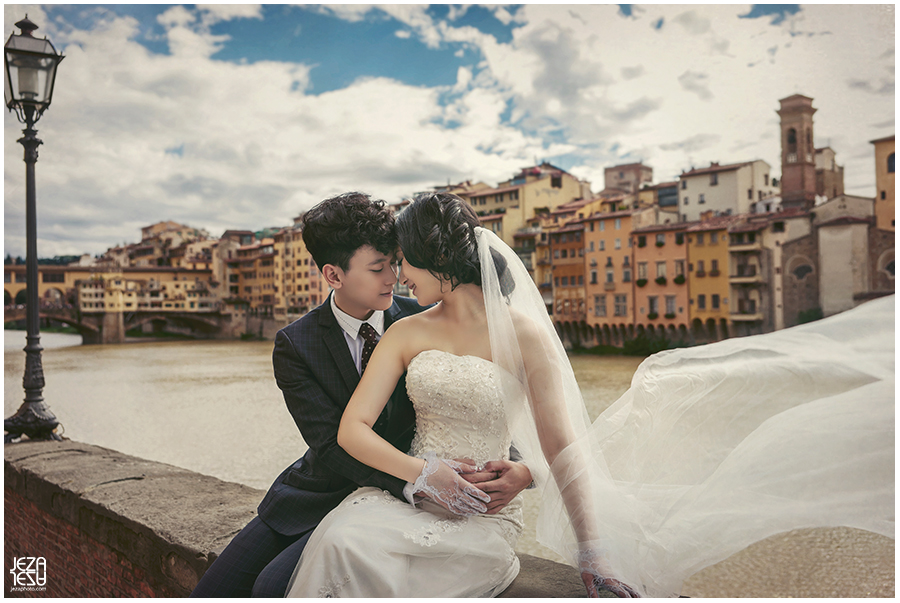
x=798, y=152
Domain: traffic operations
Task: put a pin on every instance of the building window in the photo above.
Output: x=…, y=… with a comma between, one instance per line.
x=626, y=275
x=602, y=226
x=593, y=277
x=685, y=201
x=565, y=281
x=556, y=181
x=642, y=270
x=565, y=253
x=556, y=282
x=683, y=184
x=883, y=195
x=713, y=238
x=670, y=304
x=642, y=240
x=660, y=269
x=700, y=269
x=701, y=302
x=702, y=199
x=699, y=238
x=556, y=254
x=679, y=238
x=890, y=162
x=600, y=305
x=591, y=246
x=621, y=302
x=713, y=180
x=618, y=223
x=714, y=299
x=610, y=275
x=750, y=194
x=602, y=246
x=580, y=279
x=618, y=244
x=653, y=303
x=679, y=268
x=714, y=267
x=660, y=239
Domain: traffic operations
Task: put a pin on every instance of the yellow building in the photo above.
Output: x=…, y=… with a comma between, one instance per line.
x=145, y=289
x=884, y=183
x=709, y=287
x=252, y=276
x=296, y=275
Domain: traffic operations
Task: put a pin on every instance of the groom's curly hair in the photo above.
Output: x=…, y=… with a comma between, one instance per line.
x=334, y=229
x=437, y=233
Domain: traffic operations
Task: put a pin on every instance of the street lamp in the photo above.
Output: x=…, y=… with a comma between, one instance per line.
x=30, y=72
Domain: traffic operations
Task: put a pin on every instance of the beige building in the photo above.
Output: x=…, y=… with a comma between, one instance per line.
x=518, y=201
x=884, y=183
x=628, y=178
x=829, y=175
x=723, y=189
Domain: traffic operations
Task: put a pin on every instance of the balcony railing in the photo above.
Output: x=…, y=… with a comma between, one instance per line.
x=747, y=311
x=746, y=274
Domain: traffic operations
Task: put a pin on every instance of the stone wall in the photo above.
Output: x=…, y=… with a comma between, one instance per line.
x=112, y=525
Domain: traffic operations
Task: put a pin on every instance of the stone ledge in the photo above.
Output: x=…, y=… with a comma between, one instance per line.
x=170, y=521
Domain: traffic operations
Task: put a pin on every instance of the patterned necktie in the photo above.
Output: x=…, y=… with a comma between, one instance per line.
x=368, y=333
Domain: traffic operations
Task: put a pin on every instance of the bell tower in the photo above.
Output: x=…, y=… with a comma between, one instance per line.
x=798, y=153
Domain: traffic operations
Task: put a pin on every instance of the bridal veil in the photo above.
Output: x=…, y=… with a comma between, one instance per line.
x=712, y=448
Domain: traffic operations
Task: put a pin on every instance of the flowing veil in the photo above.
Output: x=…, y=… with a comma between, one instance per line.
x=711, y=449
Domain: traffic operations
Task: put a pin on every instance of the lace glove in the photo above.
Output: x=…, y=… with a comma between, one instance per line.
x=440, y=482
x=596, y=575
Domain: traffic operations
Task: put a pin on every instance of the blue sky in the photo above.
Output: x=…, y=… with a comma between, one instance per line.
x=242, y=116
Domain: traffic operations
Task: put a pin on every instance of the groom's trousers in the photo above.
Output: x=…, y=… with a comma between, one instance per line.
x=258, y=562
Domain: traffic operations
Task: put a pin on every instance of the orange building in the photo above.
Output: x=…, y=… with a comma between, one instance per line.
x=661, y=291
x=567, y=257
x=610, y=272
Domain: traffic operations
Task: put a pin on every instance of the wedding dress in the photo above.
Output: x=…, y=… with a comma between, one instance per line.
x=375, y=545
x=712, y=448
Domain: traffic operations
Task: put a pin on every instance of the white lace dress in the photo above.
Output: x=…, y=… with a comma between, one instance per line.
x=374, y=545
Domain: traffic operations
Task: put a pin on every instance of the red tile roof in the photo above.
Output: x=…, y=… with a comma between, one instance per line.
x=715, y=168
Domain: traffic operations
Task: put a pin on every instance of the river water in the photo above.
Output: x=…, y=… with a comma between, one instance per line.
x=213, y=407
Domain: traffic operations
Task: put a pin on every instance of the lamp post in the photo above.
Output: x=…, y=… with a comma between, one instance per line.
x=29, y=75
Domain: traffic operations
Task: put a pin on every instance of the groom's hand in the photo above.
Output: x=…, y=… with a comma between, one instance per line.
x=502, y=480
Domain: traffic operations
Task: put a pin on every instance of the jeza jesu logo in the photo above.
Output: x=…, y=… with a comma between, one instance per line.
x=28, y=573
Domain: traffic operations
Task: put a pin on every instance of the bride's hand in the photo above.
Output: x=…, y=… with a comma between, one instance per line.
x=594, y=583
x=503, y=480
x=440, y=481
x=596, y=575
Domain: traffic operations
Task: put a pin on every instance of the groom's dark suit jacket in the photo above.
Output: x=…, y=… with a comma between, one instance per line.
x=315, y=371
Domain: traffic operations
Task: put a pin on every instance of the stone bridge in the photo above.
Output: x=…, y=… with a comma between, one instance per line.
x=110, y=327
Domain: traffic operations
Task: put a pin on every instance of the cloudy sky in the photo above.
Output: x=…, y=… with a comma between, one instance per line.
x=242, y=116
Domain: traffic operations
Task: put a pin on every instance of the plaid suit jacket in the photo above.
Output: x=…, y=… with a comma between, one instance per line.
x=316, y=374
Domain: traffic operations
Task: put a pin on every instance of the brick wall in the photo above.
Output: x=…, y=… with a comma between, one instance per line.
x=76, y=564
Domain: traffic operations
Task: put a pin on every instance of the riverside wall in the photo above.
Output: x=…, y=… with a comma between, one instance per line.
x=107, y=524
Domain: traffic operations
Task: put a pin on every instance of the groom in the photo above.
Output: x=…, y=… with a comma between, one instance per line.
x=318, y=360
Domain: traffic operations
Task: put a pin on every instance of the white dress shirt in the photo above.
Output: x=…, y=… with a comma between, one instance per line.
x=351, y=325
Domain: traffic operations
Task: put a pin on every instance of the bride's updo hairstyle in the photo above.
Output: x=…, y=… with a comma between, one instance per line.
x=437, y=233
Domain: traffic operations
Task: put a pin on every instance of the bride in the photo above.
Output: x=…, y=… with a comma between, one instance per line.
x=712, y=449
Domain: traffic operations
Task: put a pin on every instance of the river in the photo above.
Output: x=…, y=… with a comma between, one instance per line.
x=213, y=407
